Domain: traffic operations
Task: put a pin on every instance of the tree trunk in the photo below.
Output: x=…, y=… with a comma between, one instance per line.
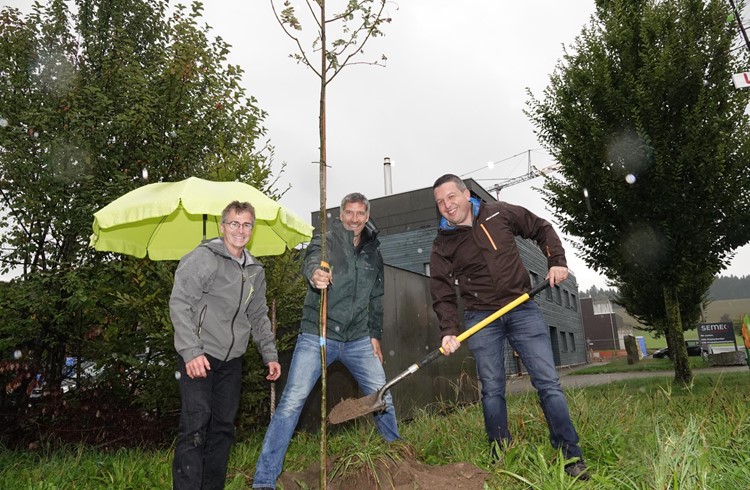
x=676, y=338
x=323, y=314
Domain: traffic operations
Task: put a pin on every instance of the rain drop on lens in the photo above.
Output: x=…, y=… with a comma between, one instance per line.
x=177, y=375
x=17, y=354
x=3, y=122
x=144, y=173
x=391, y=353
x=419, y=250
x=630, y=179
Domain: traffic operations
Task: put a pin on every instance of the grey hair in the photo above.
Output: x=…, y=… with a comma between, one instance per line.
x=355, y=197
x=238, y=207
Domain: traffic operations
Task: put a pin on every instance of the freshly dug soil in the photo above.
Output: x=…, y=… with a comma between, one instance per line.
x=404, y=474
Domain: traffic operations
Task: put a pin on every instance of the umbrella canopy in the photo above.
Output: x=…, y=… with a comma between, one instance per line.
x=166, y=220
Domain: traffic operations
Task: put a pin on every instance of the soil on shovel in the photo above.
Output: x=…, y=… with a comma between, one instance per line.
x=405, y=474
x=351, y=408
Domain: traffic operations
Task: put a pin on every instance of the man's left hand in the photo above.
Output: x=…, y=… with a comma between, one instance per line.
x=274, y=371
x=557, y=274
x=376, y=349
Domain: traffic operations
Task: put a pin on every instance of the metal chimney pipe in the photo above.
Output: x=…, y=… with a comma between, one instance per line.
x=387, y=176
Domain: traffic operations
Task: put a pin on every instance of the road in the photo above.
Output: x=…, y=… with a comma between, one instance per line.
x=521, y=384
x=726, y=348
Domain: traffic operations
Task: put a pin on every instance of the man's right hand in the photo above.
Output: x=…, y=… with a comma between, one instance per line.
x=198, y=367
x=320, y=279
x=450, y=344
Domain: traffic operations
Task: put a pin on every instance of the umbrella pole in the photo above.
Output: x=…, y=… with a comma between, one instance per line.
x=205, y=218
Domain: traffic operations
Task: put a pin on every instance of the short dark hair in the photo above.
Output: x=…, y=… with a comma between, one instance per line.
x=238, y=207
x=450, y=178
x=355, y=197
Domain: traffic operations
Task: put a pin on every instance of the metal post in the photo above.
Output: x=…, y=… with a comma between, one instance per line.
x=615, y=340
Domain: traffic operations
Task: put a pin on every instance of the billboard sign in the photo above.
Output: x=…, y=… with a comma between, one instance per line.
x=715, y=333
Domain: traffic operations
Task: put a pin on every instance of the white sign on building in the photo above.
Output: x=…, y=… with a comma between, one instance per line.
x=741, y=80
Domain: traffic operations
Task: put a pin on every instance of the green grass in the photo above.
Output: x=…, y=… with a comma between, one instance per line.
x=638, y=434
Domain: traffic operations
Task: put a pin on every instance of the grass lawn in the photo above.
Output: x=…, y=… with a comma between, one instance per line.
x=638, y=434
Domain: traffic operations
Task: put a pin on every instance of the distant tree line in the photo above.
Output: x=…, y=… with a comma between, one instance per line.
x=729, y=287
x=723, y=287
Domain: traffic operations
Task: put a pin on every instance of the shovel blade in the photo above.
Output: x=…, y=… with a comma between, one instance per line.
x=352, y=408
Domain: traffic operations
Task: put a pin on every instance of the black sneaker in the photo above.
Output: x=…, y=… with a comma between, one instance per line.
x=577, y=470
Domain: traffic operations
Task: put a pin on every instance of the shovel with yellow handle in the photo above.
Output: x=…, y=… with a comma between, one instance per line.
x=353, y=408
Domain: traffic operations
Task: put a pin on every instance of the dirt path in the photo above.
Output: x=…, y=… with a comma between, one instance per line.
x=569, y=380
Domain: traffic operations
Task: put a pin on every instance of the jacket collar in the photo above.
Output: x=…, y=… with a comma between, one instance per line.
x=217, y=246
x=369, y=232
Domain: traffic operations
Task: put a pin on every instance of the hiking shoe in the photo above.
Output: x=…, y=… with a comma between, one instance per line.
x=577, y=470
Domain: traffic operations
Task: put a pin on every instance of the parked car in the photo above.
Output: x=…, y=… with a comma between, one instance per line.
x=694, y=349
x=70, y=377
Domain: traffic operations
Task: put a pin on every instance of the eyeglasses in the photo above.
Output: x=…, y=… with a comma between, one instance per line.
x=235, y=225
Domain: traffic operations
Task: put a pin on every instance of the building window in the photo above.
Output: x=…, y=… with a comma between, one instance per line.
x=558, y=295
x=572, y=342
x=566, y=295
x=549, y=294
x=563, y=342
x=573, y=302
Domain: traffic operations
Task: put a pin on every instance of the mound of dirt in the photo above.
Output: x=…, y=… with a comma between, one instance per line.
x=405, y=474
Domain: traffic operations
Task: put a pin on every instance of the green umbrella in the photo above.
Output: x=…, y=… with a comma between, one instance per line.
x=166, y=220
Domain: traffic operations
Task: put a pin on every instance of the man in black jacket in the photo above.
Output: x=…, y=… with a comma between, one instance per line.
x=475, y=249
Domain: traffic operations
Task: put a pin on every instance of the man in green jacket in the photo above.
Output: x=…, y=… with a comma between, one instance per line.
x=354, y=328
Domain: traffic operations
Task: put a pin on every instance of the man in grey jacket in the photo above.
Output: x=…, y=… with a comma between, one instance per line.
x=218, y=301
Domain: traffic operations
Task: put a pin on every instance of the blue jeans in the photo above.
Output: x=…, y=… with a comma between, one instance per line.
x=206, y=434
x=528, y=334
x=304, y=372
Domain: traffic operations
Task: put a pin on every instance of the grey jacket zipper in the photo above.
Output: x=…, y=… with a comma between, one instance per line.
x=239, y=307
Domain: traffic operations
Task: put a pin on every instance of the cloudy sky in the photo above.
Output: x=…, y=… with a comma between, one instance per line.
x=450, y=99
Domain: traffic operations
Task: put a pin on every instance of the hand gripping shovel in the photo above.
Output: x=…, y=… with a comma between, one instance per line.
x=353, y=408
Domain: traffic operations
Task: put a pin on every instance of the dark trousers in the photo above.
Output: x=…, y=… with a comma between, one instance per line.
x=209, y=407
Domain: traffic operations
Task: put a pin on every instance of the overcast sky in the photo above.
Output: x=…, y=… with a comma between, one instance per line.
x=450, y=99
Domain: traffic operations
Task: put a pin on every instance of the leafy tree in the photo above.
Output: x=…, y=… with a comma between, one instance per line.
x=652, y=140
x=98, y=99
